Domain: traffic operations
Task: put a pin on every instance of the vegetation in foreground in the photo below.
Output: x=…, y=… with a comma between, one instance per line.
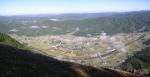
x=5, y=39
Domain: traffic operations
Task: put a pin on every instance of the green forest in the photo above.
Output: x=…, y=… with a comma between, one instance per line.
x=111, y=24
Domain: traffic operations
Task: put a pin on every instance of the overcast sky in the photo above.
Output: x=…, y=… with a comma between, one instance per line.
x=20, y=7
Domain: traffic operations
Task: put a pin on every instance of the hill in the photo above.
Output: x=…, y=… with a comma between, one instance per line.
x=5, y=39
x=22, y=63
x=77, y=24
x=139, y=63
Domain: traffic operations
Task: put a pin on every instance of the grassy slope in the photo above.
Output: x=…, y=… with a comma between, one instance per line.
x=5, y=39
x=22, y=63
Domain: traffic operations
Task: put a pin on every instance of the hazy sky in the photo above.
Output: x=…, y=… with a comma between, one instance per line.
x=19, y=7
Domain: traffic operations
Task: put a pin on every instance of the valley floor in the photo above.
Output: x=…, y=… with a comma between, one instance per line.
x=103, y=50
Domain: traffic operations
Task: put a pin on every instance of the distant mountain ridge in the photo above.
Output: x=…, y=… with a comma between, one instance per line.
x=93, y=24
x=74, y=16
x=65, y=16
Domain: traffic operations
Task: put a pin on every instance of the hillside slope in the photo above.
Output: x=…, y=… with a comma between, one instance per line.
x=125, y=22
x=22, y=63
x=5, y=39
x=138, y=63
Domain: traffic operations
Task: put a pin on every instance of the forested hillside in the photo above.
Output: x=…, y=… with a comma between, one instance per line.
x=120, y=23
x=139, y=63
x=111, y=23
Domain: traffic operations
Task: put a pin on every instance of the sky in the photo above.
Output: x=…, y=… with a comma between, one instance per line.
x=22, y=7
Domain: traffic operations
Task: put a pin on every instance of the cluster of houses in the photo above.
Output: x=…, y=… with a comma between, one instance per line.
x=74, y=43
x=83, y=45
